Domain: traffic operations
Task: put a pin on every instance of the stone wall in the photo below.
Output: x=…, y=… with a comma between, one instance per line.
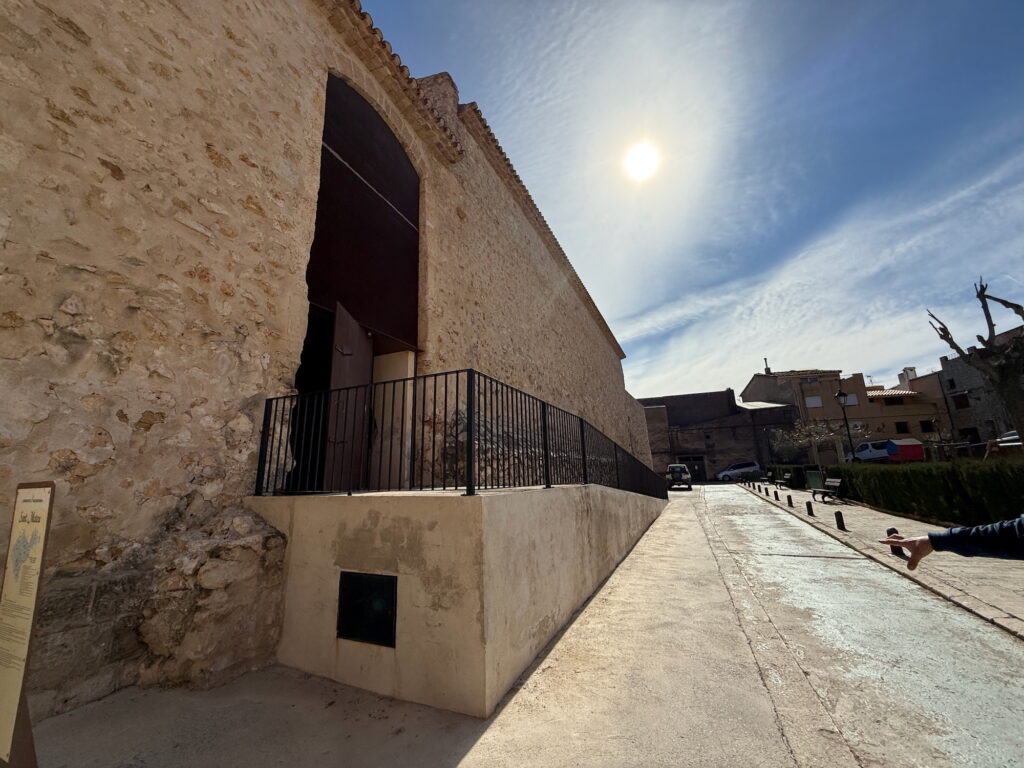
x=158, y=181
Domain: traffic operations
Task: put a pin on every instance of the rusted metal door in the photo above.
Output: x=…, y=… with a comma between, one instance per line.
x=349, y=426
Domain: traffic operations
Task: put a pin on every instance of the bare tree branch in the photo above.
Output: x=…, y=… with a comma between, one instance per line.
x=980, y=290
x=943, y=331
x=1016, y=308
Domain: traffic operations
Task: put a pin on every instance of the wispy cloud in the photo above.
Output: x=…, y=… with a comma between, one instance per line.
x=853, y=298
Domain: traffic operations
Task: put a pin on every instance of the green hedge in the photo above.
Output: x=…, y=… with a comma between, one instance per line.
x=962, y=492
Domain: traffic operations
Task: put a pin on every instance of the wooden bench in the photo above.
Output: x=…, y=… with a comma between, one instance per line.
x=784, y=482
x=830, y=488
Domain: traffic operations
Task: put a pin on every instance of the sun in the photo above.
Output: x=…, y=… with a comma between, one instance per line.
x=641, y=161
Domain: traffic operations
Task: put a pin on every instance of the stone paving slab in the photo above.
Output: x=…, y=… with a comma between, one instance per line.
x=990, y=588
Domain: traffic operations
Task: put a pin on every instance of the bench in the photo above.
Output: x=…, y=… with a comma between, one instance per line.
x=830, y=488
x=784, y=482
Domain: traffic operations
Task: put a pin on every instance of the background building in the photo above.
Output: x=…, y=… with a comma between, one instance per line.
x=708, y=431
x=976, y=412
x=915, y=408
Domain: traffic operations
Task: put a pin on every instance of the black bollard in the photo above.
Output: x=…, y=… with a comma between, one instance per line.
x=810, y=509
x=789, y=500
x=898, y=551
x=776, y=495
x=839, y=521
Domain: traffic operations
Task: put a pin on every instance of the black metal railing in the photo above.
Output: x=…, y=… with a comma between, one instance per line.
x=459, y=430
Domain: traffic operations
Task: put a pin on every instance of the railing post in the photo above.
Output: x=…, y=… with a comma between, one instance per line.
x=583, y=448
x=264, y=440
x=470, y=431
x=547, y=447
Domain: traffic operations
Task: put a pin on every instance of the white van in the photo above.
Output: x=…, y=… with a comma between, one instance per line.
x=876, y=450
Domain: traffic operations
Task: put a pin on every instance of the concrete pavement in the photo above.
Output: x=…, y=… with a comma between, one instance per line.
x=715, y=643
x=991, y=589
x=907, y=678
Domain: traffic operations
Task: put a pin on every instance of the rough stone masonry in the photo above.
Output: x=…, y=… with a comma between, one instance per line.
x=158, y=181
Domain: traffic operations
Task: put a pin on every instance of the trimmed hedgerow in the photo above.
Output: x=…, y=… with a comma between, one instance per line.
x=962, y=492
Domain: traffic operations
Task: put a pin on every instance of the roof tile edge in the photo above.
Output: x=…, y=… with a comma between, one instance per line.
x=363, y=36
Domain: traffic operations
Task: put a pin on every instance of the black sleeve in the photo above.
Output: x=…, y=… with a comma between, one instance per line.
x=1003, y=539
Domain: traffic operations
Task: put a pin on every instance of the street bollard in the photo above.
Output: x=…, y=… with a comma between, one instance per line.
x=839, y=521
x=789, y=500
x=776, y=495
x=898, y=551
x=810, y=509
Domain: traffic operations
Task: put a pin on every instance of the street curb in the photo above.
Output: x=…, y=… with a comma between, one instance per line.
x=942, y=590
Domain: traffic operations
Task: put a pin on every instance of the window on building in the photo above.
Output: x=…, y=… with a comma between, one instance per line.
x=927, y=426
x=950, y=384
x=852, y=400
x=892, y=400
x=809, y=380
x=902, y=428
x=961, y=401
x=813, y=401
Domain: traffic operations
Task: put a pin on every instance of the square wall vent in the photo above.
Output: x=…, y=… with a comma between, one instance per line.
x=367, y=607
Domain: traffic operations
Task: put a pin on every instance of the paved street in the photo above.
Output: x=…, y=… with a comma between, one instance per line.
x=733, y=634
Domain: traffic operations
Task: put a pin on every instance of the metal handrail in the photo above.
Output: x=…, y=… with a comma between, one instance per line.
x=458, y=430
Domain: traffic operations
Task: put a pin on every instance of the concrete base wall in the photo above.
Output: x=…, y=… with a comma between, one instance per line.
x=484, y=582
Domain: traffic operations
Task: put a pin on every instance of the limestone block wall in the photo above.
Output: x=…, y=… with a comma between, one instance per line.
x=158, y=183
x=493, y=276
x=158, y=180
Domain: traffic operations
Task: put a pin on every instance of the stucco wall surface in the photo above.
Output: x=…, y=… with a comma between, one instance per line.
x=544, y=554
x=484, y=582
x=434, y=544
x=159, y=167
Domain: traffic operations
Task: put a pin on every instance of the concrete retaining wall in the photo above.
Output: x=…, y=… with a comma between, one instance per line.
x=484, y=582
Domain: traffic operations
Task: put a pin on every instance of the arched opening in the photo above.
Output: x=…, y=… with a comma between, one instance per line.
x=363, y=284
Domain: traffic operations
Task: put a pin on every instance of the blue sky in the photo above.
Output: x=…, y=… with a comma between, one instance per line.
x=830, y=169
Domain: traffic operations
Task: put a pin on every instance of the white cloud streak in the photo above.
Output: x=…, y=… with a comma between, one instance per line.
x=854, y=298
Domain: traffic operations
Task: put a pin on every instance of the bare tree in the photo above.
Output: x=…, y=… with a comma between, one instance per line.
x=793, y=442
x=1001, y=363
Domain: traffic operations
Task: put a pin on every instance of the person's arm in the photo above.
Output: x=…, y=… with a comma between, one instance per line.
x=1003, y=539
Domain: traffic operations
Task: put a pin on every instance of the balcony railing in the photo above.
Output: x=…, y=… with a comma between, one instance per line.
x=460, y=430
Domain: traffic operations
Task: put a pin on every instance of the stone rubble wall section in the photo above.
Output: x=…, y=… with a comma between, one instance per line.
x=159, y=166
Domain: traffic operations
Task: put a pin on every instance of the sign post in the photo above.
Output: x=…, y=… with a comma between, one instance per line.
x=29, y=525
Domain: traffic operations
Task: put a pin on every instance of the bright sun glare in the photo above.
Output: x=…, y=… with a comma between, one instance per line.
x=641, y=161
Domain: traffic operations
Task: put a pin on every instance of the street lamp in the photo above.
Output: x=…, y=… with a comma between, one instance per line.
x=842, y=397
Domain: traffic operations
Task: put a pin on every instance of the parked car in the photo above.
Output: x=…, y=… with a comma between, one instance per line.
x=875, y=450
x=737, y=470
x=679, y=475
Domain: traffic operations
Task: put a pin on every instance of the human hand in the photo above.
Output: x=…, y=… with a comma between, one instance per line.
x=918, y=547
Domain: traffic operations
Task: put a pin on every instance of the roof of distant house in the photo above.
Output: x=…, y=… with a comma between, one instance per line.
x=758, y=405
x=892, y=393
x=808, y=372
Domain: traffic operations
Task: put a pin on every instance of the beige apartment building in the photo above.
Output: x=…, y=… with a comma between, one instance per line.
x=915, y=408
